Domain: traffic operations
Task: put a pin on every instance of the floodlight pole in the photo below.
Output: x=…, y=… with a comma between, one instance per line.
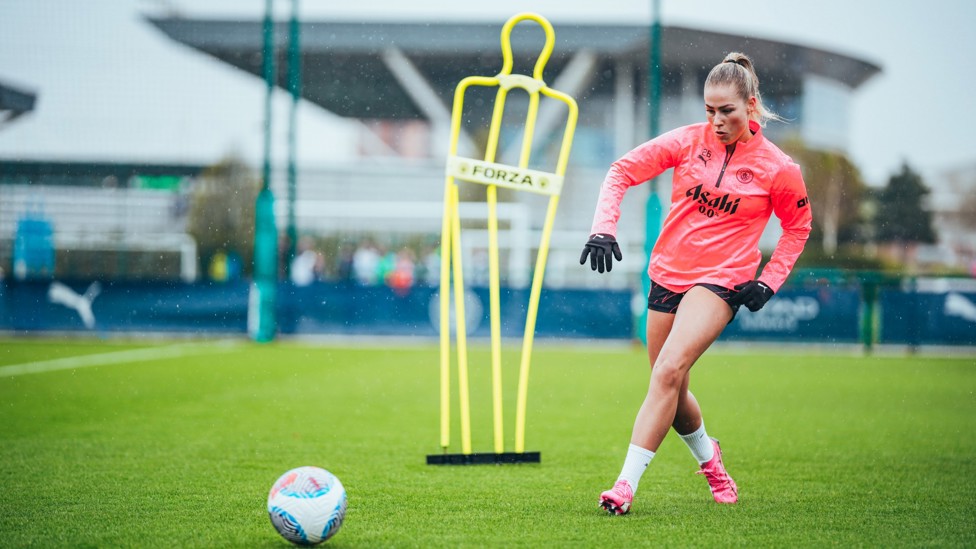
x=261, y=319
x=653, y=207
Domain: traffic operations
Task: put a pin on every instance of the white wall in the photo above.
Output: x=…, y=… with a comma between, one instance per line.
x=826, y=110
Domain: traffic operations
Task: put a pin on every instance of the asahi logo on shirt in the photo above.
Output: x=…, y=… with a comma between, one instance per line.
x=711, y=203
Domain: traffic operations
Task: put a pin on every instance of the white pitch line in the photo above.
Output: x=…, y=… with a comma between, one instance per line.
x=117, y=357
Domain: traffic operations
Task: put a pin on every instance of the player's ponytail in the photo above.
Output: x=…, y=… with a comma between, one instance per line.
x=737, y=70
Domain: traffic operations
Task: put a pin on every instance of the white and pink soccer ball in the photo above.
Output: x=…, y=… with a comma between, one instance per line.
x=307, y=505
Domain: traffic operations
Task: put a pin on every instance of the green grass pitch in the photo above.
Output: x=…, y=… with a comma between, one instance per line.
x=179, y=445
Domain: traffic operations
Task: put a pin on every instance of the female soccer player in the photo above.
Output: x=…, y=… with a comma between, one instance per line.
x=727, y=181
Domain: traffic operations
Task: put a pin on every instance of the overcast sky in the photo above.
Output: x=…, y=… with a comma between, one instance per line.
x=907, y=113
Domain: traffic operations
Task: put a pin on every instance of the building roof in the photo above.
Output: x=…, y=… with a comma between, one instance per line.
x=14, y=101
x=344, y=72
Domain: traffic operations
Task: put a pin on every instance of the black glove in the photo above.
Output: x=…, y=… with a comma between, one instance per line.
x=753, y=294
x=601, y=248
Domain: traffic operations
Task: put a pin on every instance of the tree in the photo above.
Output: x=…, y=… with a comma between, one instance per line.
x=222, y=211
x=836, y=193
x=902, y=217
x=902, y=222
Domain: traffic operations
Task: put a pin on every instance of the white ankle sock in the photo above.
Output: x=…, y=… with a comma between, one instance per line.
x=637, y=461
x=700, y=445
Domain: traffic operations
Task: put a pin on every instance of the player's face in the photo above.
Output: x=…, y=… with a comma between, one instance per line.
x=728, y=113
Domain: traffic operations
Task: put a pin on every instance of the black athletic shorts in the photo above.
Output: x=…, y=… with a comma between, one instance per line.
x=663, y=300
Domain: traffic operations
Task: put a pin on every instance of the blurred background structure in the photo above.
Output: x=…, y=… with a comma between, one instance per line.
x=398, y=79
x=135, y=158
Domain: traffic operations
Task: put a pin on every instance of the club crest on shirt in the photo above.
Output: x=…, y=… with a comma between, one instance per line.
x=744, y=175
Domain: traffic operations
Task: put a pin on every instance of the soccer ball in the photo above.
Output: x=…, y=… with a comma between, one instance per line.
x=307, y=505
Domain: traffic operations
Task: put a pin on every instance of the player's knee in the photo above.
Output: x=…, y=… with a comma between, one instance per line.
x=669, y=372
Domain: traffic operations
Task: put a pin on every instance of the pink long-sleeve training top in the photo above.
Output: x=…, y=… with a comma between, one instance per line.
x=721, y=200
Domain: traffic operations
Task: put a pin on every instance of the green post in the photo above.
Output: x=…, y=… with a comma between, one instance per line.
x=917, y=315
x=869, y=309
x=261, y=306
x=294, y=86
x=653, y=209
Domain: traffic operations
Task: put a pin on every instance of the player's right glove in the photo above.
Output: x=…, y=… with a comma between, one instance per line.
x=753, y=294
x=601, y=248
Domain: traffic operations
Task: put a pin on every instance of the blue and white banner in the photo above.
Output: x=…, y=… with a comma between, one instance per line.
x=922, y=318
x=319, y=308
x=823, y=315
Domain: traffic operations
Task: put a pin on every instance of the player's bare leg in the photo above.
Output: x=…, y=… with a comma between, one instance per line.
x=688, y=416
x=618, y=499
x=700, y=319
x=674, y=343
x=690, y=427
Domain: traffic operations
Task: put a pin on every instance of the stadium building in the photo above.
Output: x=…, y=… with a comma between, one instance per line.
x=373, y=125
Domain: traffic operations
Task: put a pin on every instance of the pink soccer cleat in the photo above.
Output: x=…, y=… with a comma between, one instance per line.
x=617, y=500
x=723, y=487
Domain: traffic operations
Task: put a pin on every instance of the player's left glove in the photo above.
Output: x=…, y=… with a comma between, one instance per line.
x=601, y=249
x=753, y=294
